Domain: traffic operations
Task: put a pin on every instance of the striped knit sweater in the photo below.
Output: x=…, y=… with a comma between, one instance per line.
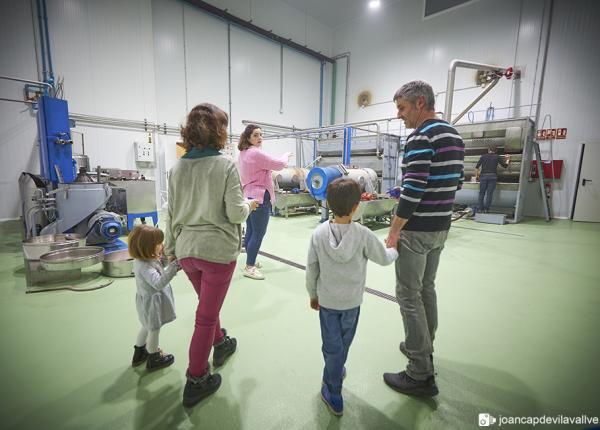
x=432, y=171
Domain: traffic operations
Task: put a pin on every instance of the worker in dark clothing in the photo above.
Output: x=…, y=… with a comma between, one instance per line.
x=488, y=177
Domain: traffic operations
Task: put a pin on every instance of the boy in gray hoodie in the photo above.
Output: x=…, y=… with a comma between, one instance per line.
x=336, y=271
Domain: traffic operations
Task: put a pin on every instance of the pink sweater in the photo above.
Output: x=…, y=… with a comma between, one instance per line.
x=255, y=172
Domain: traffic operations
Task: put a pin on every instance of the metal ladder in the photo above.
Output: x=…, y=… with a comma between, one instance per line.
x=542, y=181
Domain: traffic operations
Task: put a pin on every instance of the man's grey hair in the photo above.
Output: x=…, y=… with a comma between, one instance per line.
x=413, y=90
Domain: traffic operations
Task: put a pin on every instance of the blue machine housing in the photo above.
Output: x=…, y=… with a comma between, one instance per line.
x=105, y=229
x=319, y=178
x=55, y=140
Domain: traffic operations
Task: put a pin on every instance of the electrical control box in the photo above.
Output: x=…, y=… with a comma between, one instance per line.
x=144, y=152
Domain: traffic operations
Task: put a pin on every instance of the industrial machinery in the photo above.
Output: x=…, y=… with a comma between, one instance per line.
x=515, y=186
x=373, y=205
x=134, y=198
x=291, y=193
x=360, y=150
x=55, y=202
x=35, y=247
x=362, y=147
x=59, y=200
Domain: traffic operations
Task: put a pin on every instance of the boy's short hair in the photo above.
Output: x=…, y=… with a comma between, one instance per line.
x=342, y=195
x=143, y=241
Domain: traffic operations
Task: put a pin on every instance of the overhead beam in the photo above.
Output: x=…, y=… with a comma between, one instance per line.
x=223, y=14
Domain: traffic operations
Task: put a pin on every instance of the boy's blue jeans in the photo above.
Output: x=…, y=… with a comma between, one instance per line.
x=256, y=228
x=337, y=331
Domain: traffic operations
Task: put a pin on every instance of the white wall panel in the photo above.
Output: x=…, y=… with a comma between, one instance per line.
x=99, y=48
x=18, y=129
x=301, y=80
x=254, y=79
x=169, y=60
x=571, y=91
x=206, y=59
x=396, y=46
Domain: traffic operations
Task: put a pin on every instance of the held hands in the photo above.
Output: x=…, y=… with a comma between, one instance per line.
x=314, y=304
x=392, y=240
x=172, y=258
x=253, y=204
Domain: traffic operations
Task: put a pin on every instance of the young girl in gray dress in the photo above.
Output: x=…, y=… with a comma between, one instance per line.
x=154, y=298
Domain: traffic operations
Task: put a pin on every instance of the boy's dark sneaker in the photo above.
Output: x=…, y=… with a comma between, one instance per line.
x=159, y=360
x=224, y=349
x=197, y=388
x=140, y=354
x=404, y=384
x=334, y=402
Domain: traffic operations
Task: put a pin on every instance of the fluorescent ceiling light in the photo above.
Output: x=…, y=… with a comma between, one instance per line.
x=374, y=4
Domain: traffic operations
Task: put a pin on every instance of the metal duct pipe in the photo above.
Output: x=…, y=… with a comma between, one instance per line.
x=454, y=64
x=474, y=102
x=141, y=125
x=17, y=101
x=266, y=124
x=325, y=129
x=347, y=56
x=11, y=78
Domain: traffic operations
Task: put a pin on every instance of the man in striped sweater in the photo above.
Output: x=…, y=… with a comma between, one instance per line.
x=432, y=171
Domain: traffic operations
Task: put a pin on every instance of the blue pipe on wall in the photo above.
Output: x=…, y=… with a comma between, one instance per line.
x=42, y=45
x=347, y=146
x=48, y=51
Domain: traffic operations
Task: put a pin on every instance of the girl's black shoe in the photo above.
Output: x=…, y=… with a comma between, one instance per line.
x=140, y=354
x=159, y=360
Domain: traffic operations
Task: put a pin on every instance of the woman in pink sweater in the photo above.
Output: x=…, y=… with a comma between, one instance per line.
x=255, y=172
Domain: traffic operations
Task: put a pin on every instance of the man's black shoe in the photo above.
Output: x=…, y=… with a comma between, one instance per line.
x=404, y=384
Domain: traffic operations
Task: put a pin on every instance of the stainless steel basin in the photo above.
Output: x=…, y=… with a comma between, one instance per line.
x=118, y=264
x=36, y=246
x=72, y=258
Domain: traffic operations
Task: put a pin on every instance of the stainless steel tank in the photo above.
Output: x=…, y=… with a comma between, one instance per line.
x=366, y=178
x=290, y=178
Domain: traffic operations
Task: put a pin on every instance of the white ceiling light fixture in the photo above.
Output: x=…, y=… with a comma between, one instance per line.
x=374, y=4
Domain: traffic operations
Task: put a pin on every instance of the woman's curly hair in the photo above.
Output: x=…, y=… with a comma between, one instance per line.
x=245, y=137
x=206, y=127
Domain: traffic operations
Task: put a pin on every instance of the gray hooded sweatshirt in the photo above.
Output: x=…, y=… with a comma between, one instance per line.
x=336, y=268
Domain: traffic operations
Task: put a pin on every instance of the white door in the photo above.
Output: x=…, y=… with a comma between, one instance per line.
x=587, y=203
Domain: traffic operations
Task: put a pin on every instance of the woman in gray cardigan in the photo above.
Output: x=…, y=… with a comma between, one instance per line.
x=205, y=210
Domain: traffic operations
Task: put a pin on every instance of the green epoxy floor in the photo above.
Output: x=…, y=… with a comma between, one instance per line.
x=519, y=320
